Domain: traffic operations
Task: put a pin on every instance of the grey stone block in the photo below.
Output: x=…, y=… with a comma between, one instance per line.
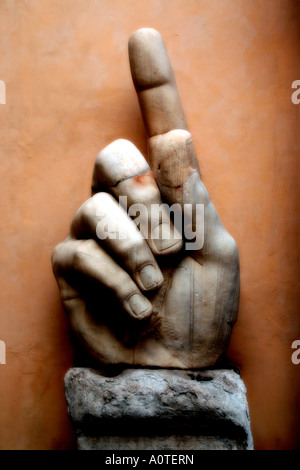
x=154, y=409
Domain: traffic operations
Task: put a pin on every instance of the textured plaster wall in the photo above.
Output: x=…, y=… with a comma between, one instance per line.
x=69, y=93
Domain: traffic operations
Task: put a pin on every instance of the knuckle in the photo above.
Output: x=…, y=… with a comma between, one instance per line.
x=229, y=246
x=101, y=199
x=82, y=218
x=136, y=247
x=101, y=203
x=125, y=288
x=78, y=259
x=57, y=257
x=203, y=193
x=89, y=246
x=86, y=210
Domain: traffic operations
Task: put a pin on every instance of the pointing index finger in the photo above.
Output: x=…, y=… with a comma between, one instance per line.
x=155, y=83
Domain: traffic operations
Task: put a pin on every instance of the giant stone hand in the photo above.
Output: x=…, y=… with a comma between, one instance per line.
x=144, y=293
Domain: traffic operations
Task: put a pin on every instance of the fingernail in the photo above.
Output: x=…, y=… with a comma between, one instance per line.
x=150, y=277
x=140, y=306
x=166, y=237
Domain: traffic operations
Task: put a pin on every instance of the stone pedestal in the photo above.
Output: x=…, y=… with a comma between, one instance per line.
x=158, y=409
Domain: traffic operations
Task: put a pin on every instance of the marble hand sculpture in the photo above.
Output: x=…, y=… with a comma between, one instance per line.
x=144, y=297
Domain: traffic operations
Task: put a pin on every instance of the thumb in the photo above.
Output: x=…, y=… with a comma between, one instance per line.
x=174, y=163
x=173, y=160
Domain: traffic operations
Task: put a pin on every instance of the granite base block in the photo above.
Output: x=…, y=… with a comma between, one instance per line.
x=158, y=409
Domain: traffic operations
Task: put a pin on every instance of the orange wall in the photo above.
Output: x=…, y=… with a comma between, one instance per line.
x=69, y=93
